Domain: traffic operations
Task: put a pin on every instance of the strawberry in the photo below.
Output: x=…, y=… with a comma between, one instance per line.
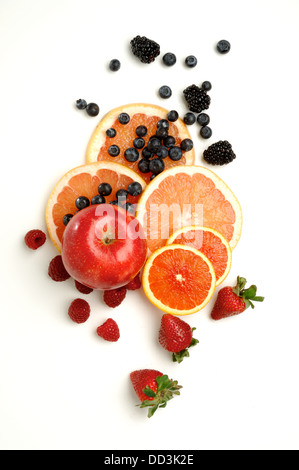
x=176, y=336
x=234, y=300
x=153, y=389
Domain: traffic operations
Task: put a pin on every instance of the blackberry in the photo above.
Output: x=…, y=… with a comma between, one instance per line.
x=145, y=49
x=197, y=98
x=165, y=92
x=219, y=153
x=169, y=59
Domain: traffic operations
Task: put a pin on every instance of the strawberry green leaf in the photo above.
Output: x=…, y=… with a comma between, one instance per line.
x=149, y=392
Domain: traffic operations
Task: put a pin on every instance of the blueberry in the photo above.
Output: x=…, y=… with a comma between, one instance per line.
x=82, y=202
x=134, y=189
x=138, y=143
x=92, y=109
x=141, y=131
x=129, y=207
x=175, y=153
x=165, y=92
x=206, y=132
x=156, y=166
x=189, y=119
x=143, y=165
x=163, y=153
x=154, y=145
x=223, y=46
x=191, y=61
x=81, y=104
x=98, y=199
x=203, y=119
x=172, y=116
x=169, y=141
x=163, y=123
x=114, y=203
x=111, y=132
x=161, y=133
x=131, y=154
x=113, y=150
x=114, y=65
x=105, y=189
x=124, y=118
x=66, y=218
x=146, y=153
x=186, y=145
x=122, y=194
x=169, y=59
x=207, y=86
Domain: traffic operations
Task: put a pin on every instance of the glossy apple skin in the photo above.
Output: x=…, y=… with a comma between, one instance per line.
x=103, y=247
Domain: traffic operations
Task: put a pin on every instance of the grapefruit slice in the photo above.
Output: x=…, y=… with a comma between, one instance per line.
x=178, y=279
x=189, y=195
x=211, y=243
x=84, y=181
x=140, y=114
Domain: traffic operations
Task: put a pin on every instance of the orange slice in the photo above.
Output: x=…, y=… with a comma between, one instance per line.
x=179, y=279
x=140, y=114
x=84, y=181
x=189, y=195
x=211, y=243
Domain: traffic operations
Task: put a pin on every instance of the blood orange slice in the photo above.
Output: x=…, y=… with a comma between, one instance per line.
x=189, y=195
x=178, y=279
x=211, y=243
x=84, y=181
x=140, y=115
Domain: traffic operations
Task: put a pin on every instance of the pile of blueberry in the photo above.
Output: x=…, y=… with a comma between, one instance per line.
x=161, y=145
x=105, y=189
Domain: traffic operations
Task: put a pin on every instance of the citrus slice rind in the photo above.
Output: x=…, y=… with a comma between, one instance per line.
x=84, y=180
x=211, y=243
x=188, y=195
x=178, y=279
x=140, y=114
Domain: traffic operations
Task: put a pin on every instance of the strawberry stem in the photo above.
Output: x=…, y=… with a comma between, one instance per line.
x=179, y=356
x=249, y=294
x=167, y=388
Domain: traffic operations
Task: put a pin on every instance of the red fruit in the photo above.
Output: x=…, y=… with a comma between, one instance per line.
x=34, y=239
x=82, y=288
x=234, y=300
x=134, y=284
x=103, y=247
x=153, y=388
x=79, y=311
x=109, y=330
x=176, y=336
x=114, y=297
x=57, y=271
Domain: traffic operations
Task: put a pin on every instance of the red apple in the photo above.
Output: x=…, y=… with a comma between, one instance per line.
x=103, y=247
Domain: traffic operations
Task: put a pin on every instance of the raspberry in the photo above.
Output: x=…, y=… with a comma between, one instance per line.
x=134, y=284
x=57, y=271
x=82, y=288
x=109, y=330
x=34, y=239
x=79, y=311
x=113, y=298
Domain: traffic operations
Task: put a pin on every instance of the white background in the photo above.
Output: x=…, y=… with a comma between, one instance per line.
x=62, y=387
